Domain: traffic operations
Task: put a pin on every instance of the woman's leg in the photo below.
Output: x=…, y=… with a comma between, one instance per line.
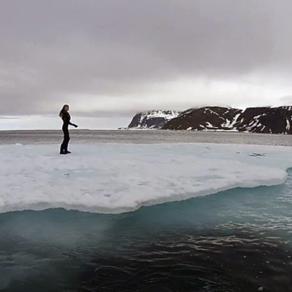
x=67, y=139
x=64, y=145
x=62, y=148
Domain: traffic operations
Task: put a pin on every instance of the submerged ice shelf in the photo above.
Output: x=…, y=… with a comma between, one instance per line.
x=114, y=178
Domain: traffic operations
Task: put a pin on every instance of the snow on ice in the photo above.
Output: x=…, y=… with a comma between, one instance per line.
x=114, y=178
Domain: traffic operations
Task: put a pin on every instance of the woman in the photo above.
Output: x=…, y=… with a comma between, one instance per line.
x=64, y=114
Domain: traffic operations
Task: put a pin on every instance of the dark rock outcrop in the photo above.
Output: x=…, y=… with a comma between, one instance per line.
x=205, y=118
x=275, y=120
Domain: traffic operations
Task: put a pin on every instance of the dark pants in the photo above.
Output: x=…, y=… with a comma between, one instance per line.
x=64, y=145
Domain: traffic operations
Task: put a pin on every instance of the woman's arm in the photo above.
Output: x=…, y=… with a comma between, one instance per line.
x=74, y=125
x=66, y=118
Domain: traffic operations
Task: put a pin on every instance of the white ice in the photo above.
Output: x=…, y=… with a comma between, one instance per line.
x=113, y=178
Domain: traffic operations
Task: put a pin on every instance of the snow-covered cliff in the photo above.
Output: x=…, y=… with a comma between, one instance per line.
x=152, y=119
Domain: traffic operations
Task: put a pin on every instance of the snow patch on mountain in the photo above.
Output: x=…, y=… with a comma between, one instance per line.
x=152, y=119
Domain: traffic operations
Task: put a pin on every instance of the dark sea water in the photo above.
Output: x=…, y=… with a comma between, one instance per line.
x=237, y=240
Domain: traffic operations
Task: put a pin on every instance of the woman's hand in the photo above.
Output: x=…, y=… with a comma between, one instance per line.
x=76, y=126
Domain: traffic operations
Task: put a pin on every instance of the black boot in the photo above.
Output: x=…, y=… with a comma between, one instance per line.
x=63, y=151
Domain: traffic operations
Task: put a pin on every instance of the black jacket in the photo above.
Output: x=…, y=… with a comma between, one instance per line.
x=66, y=120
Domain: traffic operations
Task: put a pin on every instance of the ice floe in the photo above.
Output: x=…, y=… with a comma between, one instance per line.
x=114, y=178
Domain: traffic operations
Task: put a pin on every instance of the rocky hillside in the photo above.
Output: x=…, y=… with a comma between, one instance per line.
x=276, y=120
x=214, y=118
x=152, y=119
x=257, y=119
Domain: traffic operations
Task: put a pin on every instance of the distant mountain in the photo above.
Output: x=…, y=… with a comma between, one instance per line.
x=276, y=120
x=152, y=119
x=205, y=118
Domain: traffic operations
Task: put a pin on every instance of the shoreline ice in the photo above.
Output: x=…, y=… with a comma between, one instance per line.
x=116, y=178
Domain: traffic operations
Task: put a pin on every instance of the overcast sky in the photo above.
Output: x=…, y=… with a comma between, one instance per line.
x=115, y=57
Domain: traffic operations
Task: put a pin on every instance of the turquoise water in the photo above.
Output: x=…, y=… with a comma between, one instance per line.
x=238, y=240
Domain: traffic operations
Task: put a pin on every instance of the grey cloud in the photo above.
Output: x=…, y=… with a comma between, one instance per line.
x=53, y=50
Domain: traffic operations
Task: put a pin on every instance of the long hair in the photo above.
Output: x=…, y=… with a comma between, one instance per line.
x=62, y=111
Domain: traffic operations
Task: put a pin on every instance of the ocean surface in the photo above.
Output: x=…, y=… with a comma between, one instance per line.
x=142, y=137
x=236, y=240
